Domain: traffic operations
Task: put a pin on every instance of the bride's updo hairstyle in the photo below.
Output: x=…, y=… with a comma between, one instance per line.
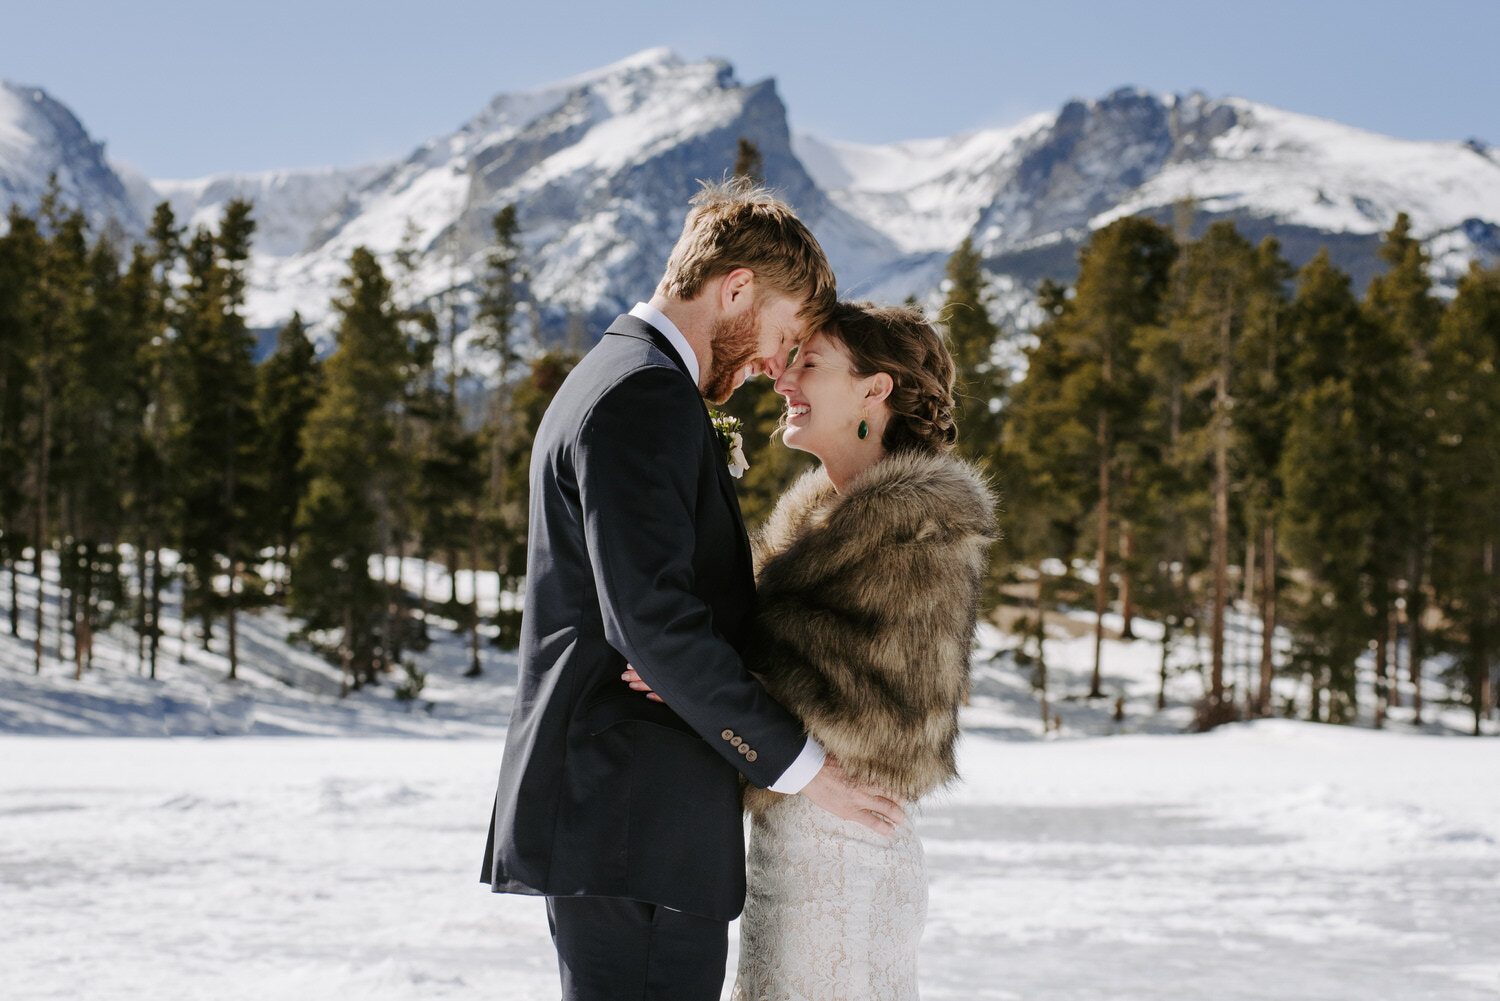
x=902, y=344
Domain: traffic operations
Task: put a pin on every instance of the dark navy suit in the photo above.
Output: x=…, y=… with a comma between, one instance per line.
x=637, y=555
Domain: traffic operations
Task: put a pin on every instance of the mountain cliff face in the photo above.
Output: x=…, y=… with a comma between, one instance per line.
x=40, y=138
x=1030, y=195
x=601, y=168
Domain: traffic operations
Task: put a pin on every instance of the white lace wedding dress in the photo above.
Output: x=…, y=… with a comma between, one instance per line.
x=833, y=911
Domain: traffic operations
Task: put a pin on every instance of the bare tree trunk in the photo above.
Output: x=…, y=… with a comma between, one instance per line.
x=1166, y=649
x=1101, y=591
x=1381, y=650
x=232, y=625
x=1486, y=669
x=182, y=616
x=396, y=604
x=475, y=669
x=1220, y=539
x=141, y=604
x=422, y=556
x=78, y=607
x=15, y=601
x=231, y=599
x=1127, y=594
x=154, y=641
x=1267, y=621
x=1041, y=641
x=346, y=658
x=1393, y=631
x=43, y=469
x=15, y=588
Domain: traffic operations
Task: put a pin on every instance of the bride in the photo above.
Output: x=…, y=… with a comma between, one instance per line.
x=868, y=575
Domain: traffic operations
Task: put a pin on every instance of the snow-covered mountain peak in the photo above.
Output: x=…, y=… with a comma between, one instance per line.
x=617, y=88
x=600, y=168
x=39, y=138
x=1304, y=171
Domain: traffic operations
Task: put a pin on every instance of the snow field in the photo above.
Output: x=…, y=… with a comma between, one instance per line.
x=1268, y=860
x=188, y=838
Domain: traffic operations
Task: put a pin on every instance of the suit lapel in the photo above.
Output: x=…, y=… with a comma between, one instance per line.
x=633, y=326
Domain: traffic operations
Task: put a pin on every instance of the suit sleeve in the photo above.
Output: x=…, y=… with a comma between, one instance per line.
x=638, y=459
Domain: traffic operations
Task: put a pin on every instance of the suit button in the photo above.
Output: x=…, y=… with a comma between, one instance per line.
x=736, y=741
x=743, y=749
x=750, y=756
x=727, y=734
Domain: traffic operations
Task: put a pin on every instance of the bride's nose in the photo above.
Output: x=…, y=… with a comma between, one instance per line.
x=785, y=381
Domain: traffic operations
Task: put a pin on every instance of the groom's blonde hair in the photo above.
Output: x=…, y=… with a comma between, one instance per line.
x=738, y=224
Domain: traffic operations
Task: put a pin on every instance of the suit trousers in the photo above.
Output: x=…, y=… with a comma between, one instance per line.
x=612, y=949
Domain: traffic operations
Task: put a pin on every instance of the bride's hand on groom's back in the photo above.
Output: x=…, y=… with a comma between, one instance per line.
x=635, y=682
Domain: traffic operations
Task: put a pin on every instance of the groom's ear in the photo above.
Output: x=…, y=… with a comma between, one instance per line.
x=736, y=289
x=880, y=387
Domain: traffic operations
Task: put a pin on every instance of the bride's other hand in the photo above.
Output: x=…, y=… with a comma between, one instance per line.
x=841, y=796
x=636, y=683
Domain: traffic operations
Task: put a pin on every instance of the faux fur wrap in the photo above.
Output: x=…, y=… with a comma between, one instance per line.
x=866, y=603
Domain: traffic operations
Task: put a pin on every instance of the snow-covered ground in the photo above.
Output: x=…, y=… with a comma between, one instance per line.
x=187, y=838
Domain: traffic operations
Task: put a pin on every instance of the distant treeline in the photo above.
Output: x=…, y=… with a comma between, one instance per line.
x=136, y=423
x=1197, y=426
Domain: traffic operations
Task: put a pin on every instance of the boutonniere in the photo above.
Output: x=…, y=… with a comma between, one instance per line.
x=731, y=441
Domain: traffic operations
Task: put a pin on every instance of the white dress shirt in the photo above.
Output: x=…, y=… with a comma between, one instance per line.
x=807, y=764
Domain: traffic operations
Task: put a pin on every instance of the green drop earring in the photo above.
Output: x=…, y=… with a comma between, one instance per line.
x=864, y=428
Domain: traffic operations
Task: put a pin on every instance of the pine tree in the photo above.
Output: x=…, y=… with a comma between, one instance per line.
x=238, y=408
x=157, y=502
x=748, y=162
x=497, y=517
x=60, y=301
x=1404, y=315
x=1225, y=290
x=1264, y=360
x=422, y=405
x=139, y=400
x=980, y=384
x=1042, y=461
x=287, y=389
x=1464, y=483
x=1328, y=513
x=1122, y=284
x=22, y=251
x=348, y=457
x=94, y=435
x=214, y=432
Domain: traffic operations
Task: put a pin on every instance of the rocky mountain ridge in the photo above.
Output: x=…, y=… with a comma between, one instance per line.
x=601, y=166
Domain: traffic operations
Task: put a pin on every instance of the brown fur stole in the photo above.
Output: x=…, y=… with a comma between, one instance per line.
x=866, y=603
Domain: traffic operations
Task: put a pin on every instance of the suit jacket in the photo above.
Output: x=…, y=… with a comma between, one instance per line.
x=637, y=554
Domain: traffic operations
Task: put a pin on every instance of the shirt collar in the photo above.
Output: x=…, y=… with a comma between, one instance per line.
x=655, y=317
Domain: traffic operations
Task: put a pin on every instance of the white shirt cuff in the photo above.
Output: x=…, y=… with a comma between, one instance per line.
x=801, y=771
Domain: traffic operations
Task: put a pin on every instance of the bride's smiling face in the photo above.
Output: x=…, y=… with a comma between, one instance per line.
x=825, y=400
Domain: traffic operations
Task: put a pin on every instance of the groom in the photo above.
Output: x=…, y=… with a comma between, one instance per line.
x=622, y=812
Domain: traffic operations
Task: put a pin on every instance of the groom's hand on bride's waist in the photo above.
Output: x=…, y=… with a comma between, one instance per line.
x=840, y=795
x=830, y=788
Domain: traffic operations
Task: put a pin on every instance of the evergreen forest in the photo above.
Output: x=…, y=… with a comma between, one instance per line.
x=1198, y=430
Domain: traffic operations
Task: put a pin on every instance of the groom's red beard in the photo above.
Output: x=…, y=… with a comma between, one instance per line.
x=734, y=344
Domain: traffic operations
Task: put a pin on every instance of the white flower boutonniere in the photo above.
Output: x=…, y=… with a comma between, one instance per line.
x=731, y=441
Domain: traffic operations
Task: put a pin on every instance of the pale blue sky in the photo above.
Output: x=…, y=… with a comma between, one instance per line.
x=181, y=89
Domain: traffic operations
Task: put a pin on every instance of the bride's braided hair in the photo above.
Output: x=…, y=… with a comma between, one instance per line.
x=901, y=343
